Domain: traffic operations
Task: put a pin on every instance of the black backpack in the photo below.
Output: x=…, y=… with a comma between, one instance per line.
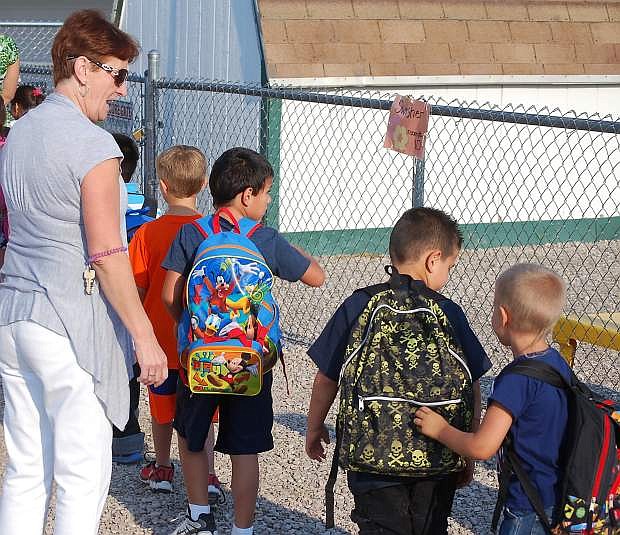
x=590, y=485
x=401, y=354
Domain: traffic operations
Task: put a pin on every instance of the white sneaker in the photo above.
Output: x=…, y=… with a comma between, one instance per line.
x=205, y=525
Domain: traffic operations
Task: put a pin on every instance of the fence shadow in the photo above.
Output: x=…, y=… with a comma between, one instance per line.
x=297, y=422
x=161, y=513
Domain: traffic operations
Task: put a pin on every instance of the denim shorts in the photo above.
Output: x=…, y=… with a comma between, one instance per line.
x=523, y=522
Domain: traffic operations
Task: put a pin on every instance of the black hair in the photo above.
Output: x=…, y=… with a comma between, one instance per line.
x=131, y=155
x=28, y=97
x=236, y=170
x=421, y=229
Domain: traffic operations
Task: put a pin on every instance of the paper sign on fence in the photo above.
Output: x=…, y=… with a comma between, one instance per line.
x=407, y=126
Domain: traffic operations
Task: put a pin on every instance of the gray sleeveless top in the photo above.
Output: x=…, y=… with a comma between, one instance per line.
x=42, y=166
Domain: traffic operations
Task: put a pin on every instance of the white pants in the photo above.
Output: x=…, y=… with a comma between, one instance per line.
x=55, y=428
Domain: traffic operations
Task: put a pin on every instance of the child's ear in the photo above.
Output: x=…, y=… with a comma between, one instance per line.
x=163, y=187
x=246, y=196
x=432, y=259
x=504, y=315
x=205, y=183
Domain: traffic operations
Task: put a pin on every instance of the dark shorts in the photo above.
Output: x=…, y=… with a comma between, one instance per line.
x=421, y=507
x=245, y=421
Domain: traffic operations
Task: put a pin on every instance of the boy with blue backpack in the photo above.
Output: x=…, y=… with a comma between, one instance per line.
x=218, y=286
x=128, y=444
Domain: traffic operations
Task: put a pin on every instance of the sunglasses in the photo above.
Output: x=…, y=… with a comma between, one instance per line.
x=119, y=75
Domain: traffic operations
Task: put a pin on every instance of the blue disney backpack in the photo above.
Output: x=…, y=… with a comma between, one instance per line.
x=229, y=334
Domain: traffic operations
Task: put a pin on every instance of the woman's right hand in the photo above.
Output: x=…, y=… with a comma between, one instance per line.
x=152, y=360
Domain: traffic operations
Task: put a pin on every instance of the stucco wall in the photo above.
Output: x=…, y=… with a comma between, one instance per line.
x=335, y=38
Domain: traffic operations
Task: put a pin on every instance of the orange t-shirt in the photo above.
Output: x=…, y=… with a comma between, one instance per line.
x=147, y=250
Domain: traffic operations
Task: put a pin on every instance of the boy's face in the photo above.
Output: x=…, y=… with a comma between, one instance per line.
x=257, y=204
x=438, y=277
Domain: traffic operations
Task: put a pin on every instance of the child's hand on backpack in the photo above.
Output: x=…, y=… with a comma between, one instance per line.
x=429, y=422
x=314, y=443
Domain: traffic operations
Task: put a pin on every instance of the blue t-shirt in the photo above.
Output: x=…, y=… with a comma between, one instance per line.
x=328, y=350
x=283, y=259
x=539, y=417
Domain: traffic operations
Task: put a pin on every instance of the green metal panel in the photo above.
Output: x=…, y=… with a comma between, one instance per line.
x=477, y=236
x=270, y=147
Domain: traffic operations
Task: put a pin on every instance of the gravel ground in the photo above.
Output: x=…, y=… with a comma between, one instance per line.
x=291, y=491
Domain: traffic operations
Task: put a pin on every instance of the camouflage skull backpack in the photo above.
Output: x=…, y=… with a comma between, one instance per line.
x=401, y=355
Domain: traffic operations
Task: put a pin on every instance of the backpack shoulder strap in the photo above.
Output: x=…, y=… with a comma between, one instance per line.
x=248, y=226
x=331, y=483
x=511, y=464
x=203, y=226
x=373, y=290
x=538, y=370
x=229, y=215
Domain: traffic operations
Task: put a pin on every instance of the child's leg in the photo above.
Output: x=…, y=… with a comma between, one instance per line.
x=209, y=445
x=195, y=473
x=383, y=511
x=162, y=403
x=244, y=488
x=162, y=439
x=522, y=523
x=430, y=504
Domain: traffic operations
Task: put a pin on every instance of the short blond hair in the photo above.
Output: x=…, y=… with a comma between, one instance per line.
x=534, y=296
x=184, y=170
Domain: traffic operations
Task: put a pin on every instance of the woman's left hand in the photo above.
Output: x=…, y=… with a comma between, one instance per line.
x=153, y=362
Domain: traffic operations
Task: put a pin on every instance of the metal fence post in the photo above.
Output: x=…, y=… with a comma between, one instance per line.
x=418, y=183
x=150, y=132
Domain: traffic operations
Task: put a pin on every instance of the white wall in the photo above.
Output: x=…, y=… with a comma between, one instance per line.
x=334, y=166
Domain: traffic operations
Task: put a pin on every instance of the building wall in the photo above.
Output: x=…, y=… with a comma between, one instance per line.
x=336, y=38
x=48, y=11
x=197, y=38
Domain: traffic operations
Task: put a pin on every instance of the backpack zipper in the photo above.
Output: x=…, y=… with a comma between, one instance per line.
x=361, y=400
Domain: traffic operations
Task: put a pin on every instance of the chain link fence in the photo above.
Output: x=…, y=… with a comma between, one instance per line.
x=527, y=185
x=34, y=39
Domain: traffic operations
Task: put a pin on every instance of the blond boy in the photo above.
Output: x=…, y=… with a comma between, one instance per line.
x=528, y=301
x=182, y=172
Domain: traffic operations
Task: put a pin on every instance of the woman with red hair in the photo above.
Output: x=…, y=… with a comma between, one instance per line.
x=69, y=308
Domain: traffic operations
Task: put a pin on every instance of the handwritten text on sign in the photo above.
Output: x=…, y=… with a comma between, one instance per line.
x=407, y=126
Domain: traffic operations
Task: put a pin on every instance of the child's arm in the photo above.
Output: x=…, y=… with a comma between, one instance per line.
x=172, y=294
x=324, y=392
x=480, y=445
x=314, y=275
x=139, y=263
x=467, y=475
